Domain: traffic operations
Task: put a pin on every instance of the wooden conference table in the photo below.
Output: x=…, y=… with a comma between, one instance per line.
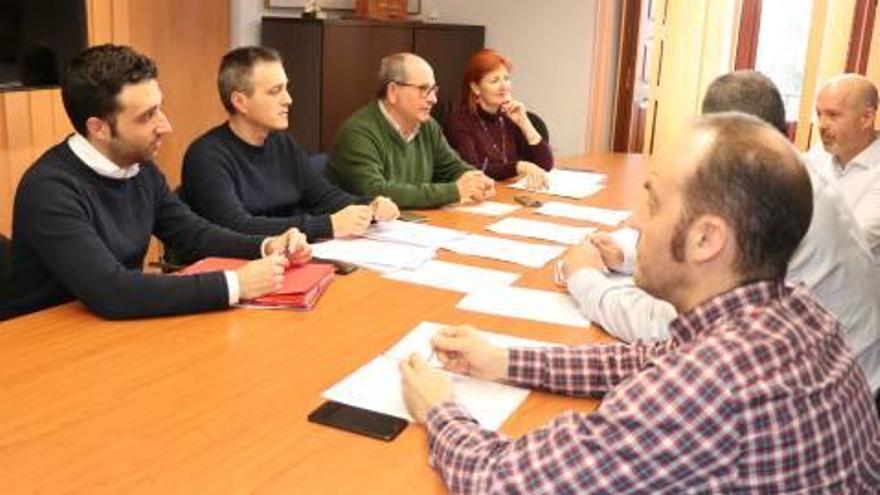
x=217, y=403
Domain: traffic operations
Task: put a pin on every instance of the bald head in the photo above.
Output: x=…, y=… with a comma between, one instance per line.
x=752, y=177
x=856, y=90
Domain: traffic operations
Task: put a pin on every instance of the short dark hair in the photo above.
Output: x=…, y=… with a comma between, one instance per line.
x=235, y=71
x=755, y=180
x=95, y=77
x=748, y=92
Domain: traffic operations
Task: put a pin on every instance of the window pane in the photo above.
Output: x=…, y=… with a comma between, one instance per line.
x=782, y=48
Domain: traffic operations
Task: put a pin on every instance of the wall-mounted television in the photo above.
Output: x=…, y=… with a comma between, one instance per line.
x=37, y=40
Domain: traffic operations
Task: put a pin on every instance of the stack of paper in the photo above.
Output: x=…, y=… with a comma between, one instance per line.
x=413, y=233
x=376, y=385
x=569, y=183
x=382, y=256
x=489, y=208
x=541, y=230
x=588, y=213
x=523, y=253
x=529, y=304
x=452, y=276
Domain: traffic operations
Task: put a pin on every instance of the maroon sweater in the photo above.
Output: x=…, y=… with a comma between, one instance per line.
x=493, y=143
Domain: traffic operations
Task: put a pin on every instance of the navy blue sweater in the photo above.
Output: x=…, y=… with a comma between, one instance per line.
x=78, y=235
x=259, y=189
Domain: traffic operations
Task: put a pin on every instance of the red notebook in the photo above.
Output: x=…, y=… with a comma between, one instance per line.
x=302, y=286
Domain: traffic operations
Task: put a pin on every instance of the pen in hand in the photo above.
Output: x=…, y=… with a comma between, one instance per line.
x=432, y=358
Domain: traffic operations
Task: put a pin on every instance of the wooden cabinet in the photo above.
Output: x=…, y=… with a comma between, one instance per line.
x=333, y=65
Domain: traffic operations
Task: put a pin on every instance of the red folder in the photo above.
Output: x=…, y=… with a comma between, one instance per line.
x=302, y=285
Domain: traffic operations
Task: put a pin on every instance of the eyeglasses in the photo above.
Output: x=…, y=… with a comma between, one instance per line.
x=425, y=90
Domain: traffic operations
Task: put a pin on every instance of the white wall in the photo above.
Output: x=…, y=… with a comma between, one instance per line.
x=549, y=42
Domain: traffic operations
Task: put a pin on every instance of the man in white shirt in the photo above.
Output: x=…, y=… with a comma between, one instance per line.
x=850, y=152
x=833, y=259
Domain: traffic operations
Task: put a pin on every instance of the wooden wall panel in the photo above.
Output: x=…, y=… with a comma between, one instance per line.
x=28, y=126
x=186, y=39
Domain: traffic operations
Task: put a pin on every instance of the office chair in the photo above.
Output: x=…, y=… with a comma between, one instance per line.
x=318, y=161
x=539, y=125
x=442, y=111
x=5, y=267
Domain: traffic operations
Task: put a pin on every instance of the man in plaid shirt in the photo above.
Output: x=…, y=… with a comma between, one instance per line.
x=755, y=391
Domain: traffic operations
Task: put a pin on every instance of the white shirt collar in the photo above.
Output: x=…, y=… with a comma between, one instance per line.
x=96, y=161
x=406, y=138
x=866, y=158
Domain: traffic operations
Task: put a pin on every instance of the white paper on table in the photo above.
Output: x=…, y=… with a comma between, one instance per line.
x=529, y=304
x=418, y=340
x=376, y=385
x=569, y=183
x=453, y=276
x=523, y=253
x=370, y=253
x=412, y=233
x=541, y=230
x=489, y=208
x=589, y=213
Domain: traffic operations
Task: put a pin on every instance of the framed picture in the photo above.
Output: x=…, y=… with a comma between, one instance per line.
x=412, y=6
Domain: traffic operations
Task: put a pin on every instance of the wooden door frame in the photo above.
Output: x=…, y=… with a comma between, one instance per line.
x=626, y=71
x=860, y=39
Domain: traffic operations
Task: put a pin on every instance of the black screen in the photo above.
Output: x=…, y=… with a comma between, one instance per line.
x=37, y=40
x=357, y=420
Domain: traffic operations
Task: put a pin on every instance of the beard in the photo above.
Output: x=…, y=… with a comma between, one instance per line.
x=663, y=280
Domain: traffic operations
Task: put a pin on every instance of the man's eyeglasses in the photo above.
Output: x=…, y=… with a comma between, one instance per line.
x=425, y=90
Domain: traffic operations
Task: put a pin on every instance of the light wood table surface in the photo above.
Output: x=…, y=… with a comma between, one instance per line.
x=217, y=402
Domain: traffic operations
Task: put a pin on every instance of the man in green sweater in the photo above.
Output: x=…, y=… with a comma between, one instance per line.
x=391, y=147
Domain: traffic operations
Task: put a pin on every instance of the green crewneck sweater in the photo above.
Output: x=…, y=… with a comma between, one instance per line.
x=370, y=158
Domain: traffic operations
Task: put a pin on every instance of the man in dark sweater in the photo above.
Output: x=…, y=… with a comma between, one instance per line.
x=84, y=212
x=250, y=176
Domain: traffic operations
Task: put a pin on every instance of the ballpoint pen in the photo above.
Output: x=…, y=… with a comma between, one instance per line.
x=432, y=358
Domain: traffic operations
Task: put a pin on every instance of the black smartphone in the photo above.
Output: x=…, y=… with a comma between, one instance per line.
x=339, y=267
x=527, y=201
x=408, y=216
x=357, y=420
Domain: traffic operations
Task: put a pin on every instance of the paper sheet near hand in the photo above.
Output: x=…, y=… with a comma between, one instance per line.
x=569, y=183
x=376, y=385
x=383, y=256
x=413, y=233
x=488, y=208
x=588, y=213
x=452, y=276
x=541, y=230
x=530, y=304
x=523, y=253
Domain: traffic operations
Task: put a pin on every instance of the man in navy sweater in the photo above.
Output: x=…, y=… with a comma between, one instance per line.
x=84, y=212
x=249, y=175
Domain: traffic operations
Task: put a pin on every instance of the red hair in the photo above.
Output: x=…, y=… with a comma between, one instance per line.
x=481, y=63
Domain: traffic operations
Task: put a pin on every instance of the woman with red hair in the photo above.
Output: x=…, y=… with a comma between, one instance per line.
x=491, y=130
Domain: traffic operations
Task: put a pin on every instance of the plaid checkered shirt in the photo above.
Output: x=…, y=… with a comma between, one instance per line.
x=755, y=392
